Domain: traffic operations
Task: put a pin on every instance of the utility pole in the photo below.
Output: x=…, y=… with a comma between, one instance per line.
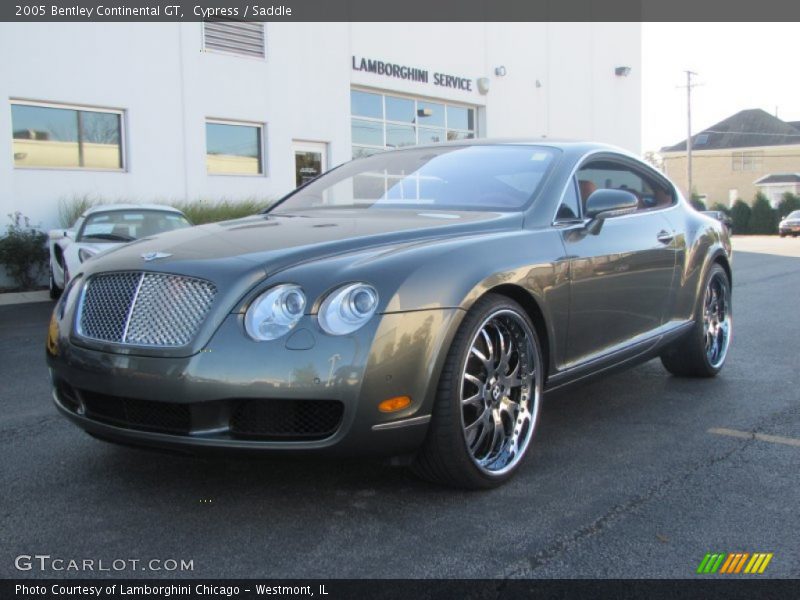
x=689, y=86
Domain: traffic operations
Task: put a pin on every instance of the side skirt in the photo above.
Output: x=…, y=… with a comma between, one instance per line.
x=636, y=352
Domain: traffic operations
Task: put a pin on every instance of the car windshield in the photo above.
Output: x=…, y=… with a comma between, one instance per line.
x=794, y=215
x=482, y=178
x=129, y=225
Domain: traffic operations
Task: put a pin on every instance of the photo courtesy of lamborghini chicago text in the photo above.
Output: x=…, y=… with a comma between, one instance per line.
x=345, y=299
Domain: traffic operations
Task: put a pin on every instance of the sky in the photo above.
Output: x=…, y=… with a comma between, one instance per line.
x=739, y=66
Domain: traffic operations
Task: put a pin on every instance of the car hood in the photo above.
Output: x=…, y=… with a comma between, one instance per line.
x=272, y=242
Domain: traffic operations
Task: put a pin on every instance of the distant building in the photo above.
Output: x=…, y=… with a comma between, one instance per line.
x=775, y=186
x=749, y=152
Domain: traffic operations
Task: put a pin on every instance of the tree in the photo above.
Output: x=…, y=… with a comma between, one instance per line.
x=762, y=217
x=655, y=159
x=697, y=202
x=790, y=202
x=740, y=213
x=720, y=207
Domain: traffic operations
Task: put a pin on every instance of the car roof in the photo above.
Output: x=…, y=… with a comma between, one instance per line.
x=577, y=147
x=114, y=207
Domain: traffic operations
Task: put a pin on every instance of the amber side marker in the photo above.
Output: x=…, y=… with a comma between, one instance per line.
x=394, y=404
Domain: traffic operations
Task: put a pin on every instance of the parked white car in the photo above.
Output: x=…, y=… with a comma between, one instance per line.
x=104, y=227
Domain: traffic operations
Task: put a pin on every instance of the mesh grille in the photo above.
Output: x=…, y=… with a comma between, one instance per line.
x=144, y=309
x=165, y=417
x=298, y=419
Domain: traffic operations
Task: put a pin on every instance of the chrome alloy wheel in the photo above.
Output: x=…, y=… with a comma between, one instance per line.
x=500, y=392
x=717, y=320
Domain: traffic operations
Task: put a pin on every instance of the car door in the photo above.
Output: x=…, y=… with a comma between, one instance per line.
x=620, y=277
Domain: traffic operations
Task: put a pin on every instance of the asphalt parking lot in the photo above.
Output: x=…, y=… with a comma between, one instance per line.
x=625, y=478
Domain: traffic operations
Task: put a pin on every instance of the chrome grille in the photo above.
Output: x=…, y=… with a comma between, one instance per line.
x=144, y=309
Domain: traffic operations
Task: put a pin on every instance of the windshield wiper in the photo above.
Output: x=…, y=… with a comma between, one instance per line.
x=113, y=237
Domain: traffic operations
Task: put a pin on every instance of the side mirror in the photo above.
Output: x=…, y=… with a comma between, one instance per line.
x=606, y=204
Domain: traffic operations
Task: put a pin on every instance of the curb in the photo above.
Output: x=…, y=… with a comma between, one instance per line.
x=24, y=297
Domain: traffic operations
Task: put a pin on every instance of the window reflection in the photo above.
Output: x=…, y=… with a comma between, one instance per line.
x=381, y=121
x=233, y=149
x=364, y=104
x=399, y=109
x=45, y=136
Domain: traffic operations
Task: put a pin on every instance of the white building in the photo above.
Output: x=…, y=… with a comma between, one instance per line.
x=173, y=111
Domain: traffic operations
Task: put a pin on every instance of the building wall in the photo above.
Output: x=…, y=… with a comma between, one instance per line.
x=560, y=82
x=713, y=174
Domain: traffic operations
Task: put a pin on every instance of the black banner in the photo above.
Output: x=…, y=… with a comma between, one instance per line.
x=336, y=589
x=400, y=10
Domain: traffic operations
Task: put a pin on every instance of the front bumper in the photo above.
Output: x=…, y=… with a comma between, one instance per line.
x=203, y=401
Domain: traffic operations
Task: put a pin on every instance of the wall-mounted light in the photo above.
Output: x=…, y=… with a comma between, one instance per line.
x=622, y=71
x=538, y=83
x=483, y=85
x=500, y=71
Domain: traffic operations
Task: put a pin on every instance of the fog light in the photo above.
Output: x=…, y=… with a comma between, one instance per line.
x=394, y=404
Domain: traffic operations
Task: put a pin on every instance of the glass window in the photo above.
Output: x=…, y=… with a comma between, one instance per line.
x=364, y=104
x=362, y=151
x=381, y=121
x=493, y=178
x=459, y=117
x=431, y=136
x=610, y=175
x=233, y=149
x=459, y=135
x=430, y=114
x=367, y=132
x=399, y=109
x=129, y=225
x=570, y=206
x=398, y=136
x=45, y=136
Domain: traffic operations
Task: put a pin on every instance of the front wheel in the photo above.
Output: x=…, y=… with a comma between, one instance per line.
x=702, y=352
x=488, y=399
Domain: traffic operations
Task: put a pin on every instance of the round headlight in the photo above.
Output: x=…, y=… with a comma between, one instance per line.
x=275, y=312
x=348, y=308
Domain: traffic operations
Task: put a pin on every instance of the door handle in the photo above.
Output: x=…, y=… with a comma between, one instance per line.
x=664, y=236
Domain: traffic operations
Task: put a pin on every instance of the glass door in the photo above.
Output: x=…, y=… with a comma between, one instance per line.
x=310, y=160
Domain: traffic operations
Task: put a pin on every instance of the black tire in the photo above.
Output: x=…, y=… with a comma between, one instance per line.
x=445, y=457
x=689, y=356
x=55, y=291
x=783, y=235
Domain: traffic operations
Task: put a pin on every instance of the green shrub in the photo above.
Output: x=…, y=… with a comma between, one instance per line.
x=697, y=202
x=790, y=202
x=210, y=211
x=762, y=218
x=70, y=210
x=740, y=214
x=23, y=252
x=720, y=207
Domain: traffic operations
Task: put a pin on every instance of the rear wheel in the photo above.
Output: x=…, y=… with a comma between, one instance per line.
x=702, y=352
x=488, y=399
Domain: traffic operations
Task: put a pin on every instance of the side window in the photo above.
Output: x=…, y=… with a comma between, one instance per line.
x=603, y=174
x=569, y=209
